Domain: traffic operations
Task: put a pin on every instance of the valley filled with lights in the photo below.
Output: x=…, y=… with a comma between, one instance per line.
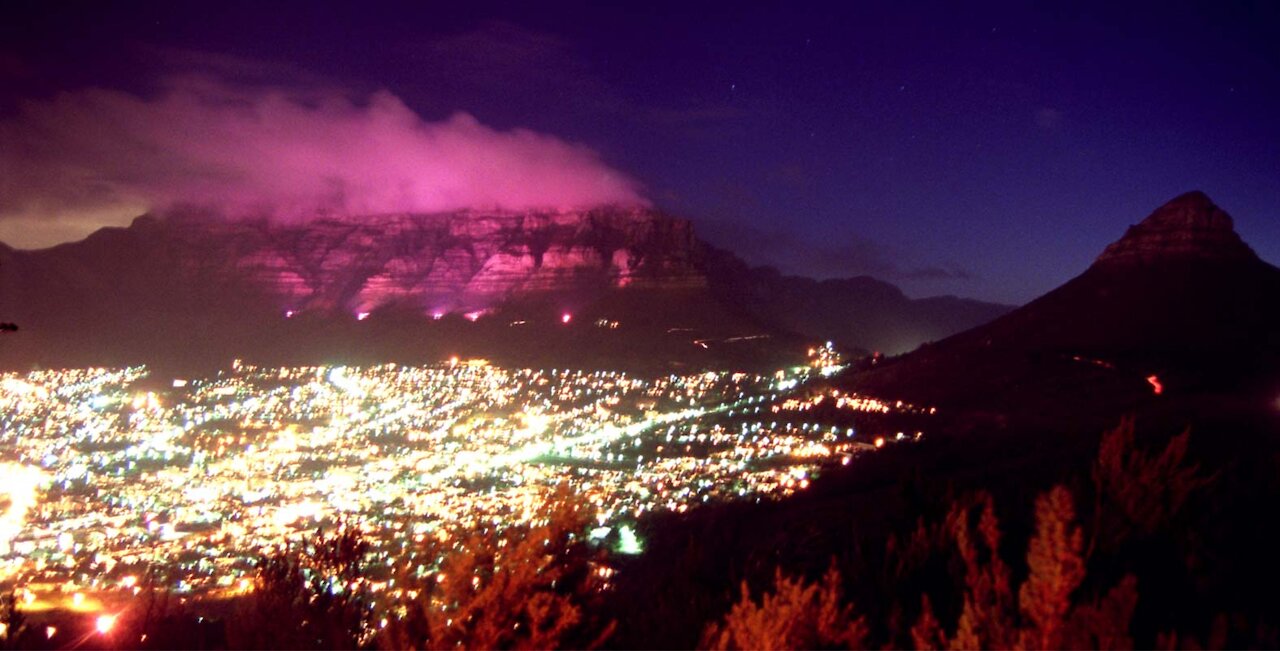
x=110, y=475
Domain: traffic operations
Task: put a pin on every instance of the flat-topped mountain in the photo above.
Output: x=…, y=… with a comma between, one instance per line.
x=436, y=264
x=417, y=285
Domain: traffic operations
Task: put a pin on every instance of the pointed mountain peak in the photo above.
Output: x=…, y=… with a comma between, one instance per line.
x=1190, y=226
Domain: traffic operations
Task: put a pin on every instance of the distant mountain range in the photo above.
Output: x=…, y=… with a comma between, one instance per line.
x=608, y=286
x=1179, y=306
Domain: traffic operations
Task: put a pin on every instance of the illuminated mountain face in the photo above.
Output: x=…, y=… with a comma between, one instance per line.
x=236, y=288
x=439, y=263
x=186, y=284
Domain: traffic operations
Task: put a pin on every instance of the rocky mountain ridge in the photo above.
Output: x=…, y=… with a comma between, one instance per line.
x=192, y=279
x=1187, y=227
x=437, y=263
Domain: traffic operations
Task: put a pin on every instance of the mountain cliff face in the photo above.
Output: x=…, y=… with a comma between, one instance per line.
x=437, y=264
x=1189, y=227
x=230, y=286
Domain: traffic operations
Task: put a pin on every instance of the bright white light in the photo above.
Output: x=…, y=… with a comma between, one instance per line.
x=18, y=484
x=23, y=388
x=105, y=623
x=535, y=424
x=628, y=542
x=361, y=316
x=566, y=317
x=289, y=513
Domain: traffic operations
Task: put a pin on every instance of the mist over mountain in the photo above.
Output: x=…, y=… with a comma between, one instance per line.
x=291, y=153
x=416, y=286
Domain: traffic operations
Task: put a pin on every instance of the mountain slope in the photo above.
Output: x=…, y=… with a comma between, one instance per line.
x=861, y=311
x=1180, y=297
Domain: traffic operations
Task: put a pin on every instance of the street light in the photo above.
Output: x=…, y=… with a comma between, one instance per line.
x=105, y=623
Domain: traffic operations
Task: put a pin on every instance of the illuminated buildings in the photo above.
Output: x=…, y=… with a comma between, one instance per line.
x=112, y=474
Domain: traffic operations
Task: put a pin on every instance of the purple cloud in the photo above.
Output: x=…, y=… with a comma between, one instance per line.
x=285, y=153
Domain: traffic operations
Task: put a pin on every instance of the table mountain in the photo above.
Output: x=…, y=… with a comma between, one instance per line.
x=635, y=285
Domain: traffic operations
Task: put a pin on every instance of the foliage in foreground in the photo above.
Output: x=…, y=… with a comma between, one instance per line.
x=315, y=586
x=796, y=615
x=519, y=588
x=12, y=622
x=522, y=587
x=954, y=583
x=1055, y=605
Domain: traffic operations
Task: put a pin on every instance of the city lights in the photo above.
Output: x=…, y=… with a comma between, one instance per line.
x=109, y=478
x=105, y=623
x=18, y=485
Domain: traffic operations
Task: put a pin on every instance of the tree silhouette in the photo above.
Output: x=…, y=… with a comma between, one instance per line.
x=522, y=587
x=1057, y=569
x=985, y=620
x=14, y=621
x=308, y=595
x=1138, y=492
x=1046, y=614
x=794, y=615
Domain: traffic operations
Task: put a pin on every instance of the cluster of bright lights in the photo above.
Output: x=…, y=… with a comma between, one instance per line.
x=470, y=315
x=18, y=489
x=109, y=476
x=826, y=359
x=850, y=401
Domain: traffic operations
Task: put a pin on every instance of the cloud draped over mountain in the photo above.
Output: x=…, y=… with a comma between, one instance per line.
x=285, y=153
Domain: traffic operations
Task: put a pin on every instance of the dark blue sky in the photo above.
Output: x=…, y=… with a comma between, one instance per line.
x=988, y=151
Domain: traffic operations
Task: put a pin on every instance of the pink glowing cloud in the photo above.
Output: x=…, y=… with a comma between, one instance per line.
x=282, y=153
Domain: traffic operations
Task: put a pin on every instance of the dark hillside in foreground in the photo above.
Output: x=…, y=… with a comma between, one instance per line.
x=1214, y=561
x=1024, y=402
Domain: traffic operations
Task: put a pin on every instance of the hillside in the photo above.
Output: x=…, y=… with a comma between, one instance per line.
x=1180, y=298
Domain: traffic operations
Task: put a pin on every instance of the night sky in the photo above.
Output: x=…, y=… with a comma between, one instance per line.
x=988, y=151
